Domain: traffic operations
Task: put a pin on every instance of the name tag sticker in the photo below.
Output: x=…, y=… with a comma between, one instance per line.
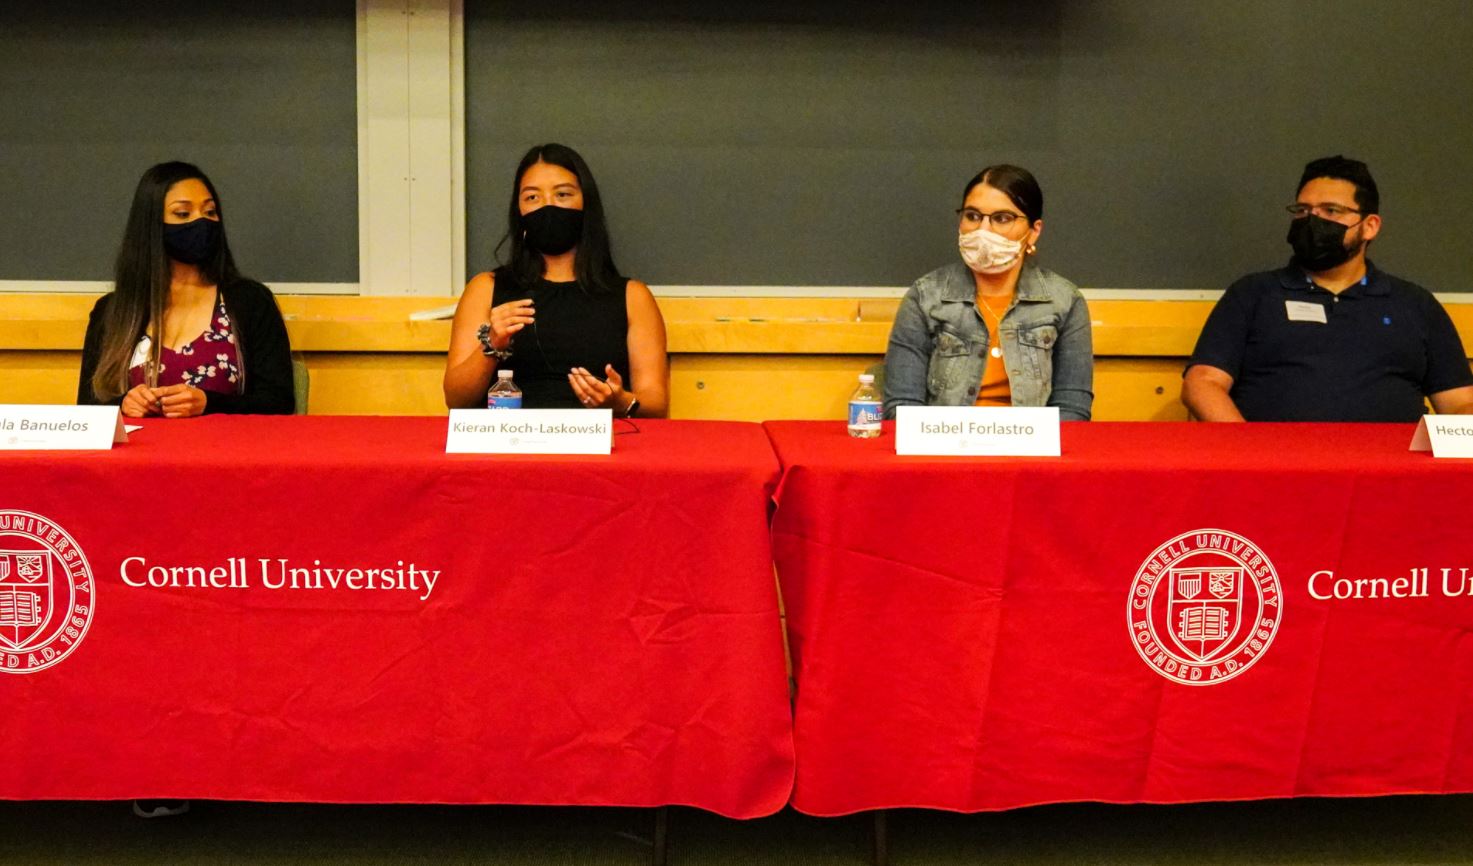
x=1305, y=311
x=530, y=431
x=975, y=431
x=60, y=428
x=1444, y=435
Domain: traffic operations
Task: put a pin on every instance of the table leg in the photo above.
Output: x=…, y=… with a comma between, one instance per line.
x=660, y=854
x=880, y=850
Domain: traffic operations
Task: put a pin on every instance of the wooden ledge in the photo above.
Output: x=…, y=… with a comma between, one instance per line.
x=761, y=326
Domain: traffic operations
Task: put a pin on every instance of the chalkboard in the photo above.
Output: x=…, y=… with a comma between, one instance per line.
x=826, y=143
x=260, y=95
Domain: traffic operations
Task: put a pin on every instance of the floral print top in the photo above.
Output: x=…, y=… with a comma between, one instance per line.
x=210, y=363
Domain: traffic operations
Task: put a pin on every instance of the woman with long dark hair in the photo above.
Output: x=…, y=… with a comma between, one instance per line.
x=993, y=328
x=183, y=333
x=558, y=313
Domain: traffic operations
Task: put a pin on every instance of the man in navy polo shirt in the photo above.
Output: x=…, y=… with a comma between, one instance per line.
x=1330, y=337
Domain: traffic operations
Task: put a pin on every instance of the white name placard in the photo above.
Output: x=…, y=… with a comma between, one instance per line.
x=530, y=431
x=974, y=431
x=60, y=428
x=1444, y=435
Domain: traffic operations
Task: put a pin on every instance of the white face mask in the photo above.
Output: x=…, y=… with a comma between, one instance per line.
x=987, y=252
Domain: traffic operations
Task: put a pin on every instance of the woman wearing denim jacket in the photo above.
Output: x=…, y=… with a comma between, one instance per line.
x=993, y=329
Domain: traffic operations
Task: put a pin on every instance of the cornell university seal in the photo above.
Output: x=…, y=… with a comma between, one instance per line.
x=1204, y=607
x=46, y=593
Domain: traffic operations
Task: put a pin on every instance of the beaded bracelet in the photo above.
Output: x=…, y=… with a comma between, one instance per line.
x=483, y=334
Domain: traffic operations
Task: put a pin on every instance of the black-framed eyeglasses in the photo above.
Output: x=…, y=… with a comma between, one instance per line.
x=1328, y=211
x=1000, y=219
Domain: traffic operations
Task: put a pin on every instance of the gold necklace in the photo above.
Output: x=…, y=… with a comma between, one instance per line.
x=996, y=324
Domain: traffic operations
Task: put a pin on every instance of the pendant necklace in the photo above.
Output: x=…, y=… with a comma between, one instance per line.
x=996, y=325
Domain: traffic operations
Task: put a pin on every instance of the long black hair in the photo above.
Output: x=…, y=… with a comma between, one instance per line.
x=141, y=277
x=593, y=264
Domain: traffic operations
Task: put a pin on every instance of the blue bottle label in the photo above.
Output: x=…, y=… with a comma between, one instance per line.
x=504, y=401
x=864, y=413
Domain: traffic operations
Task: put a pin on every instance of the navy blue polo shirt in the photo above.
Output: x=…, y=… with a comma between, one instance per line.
x=1299, y=352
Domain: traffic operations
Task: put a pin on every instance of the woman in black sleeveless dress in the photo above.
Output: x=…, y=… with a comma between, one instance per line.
x=558, y=314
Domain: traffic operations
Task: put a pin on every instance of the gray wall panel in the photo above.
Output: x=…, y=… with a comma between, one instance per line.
x=826, y=145
x=261, y=95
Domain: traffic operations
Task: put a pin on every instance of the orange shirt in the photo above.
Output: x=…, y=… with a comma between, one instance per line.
x=995, y=389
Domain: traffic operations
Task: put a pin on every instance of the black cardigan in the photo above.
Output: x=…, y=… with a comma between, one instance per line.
x=260, y=338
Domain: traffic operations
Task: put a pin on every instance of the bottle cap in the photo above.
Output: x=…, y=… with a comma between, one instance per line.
x=503, y=374
x=866, y=378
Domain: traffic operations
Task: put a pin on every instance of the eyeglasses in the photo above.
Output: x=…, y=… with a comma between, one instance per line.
x=998, y=219
x=1328, y=211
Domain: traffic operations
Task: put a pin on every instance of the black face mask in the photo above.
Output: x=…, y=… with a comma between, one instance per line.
x=1319, y=244
x=553, y=230
x=192, y=242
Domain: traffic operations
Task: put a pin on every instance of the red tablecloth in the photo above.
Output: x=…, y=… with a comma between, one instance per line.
x=602, y=630
x=965, y=633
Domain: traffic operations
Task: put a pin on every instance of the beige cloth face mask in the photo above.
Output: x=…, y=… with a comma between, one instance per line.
x=988, y=252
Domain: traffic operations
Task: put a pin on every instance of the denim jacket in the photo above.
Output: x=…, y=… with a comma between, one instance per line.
x=938, y=344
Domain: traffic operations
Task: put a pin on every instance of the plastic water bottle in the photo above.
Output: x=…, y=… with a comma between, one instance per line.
x=504, y=394
x=865, y=409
